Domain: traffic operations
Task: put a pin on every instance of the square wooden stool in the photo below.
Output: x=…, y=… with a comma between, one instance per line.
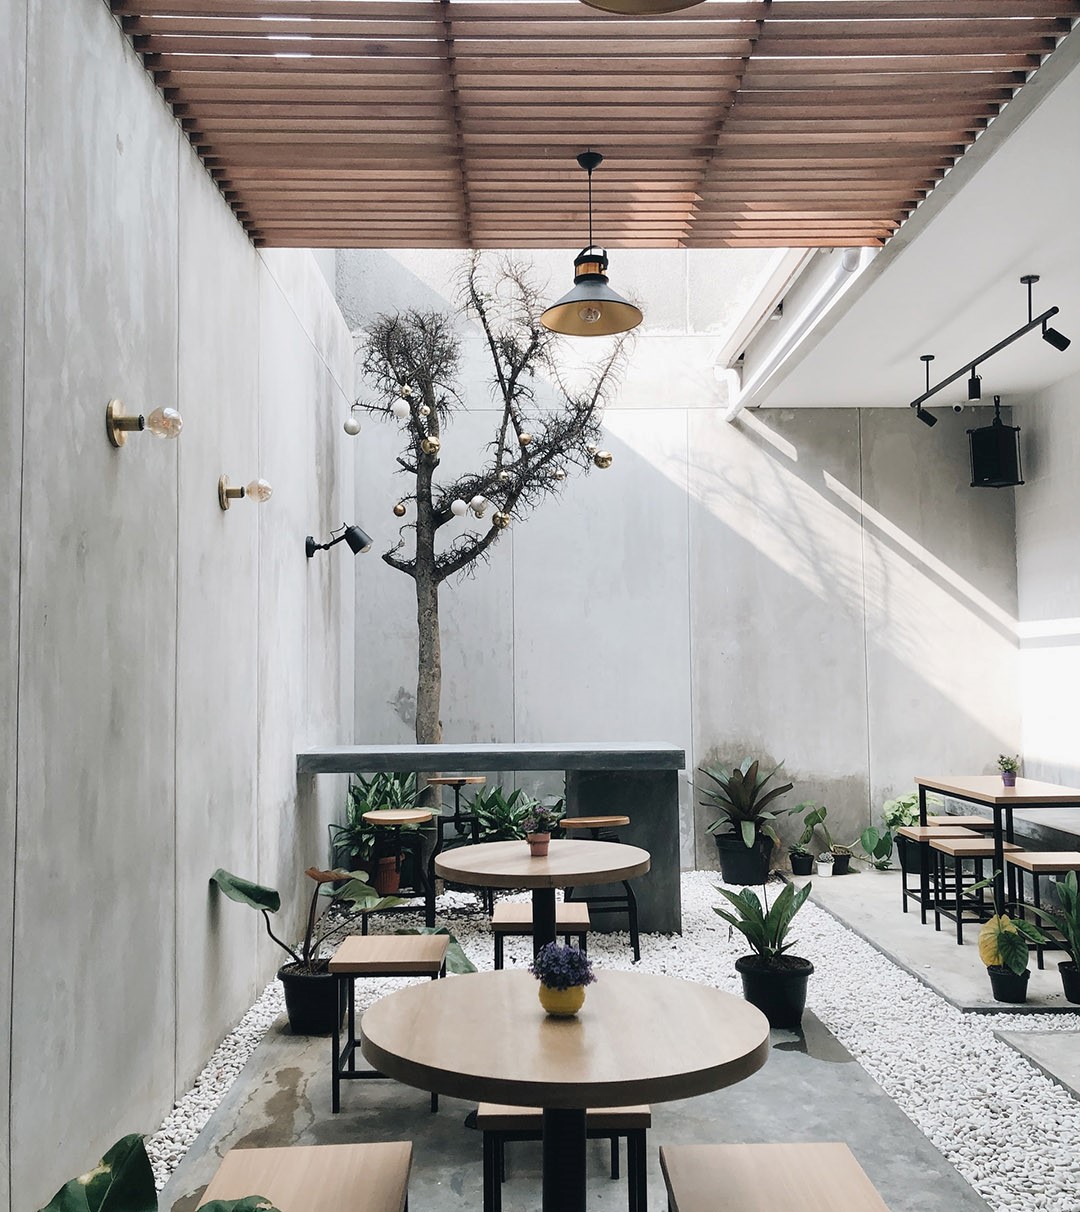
x=516, y=920
x=318, y=1178
x=960, y=849
x=1036, y=863
x=378, y=955
x=921, y=835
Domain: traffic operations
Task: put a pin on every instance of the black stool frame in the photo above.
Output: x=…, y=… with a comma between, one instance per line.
x=627, y=903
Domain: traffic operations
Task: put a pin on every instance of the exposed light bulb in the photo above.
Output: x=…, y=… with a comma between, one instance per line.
x=431, y=446
x=504, y=477
x=259, y=490
x=590, y=313
x=399, y=509
x=405, y=391
x=560, y=474
x=352, y=426
x=459, y=508
x=400, y=409
x=165, y=423
x=424, y=411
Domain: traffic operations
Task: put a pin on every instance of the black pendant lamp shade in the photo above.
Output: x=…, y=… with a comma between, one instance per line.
x=592, y=308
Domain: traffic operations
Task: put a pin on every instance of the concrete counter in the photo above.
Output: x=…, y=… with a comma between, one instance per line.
x=635, y=779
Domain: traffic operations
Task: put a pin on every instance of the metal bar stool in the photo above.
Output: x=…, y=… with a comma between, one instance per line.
x=920, y=836
x=389, y=839
x=606, y=829
x=461, y=821
x=960, y=849
x=1036, y=863
x=516, y=919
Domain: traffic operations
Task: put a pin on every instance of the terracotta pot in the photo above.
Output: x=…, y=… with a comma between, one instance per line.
x=387, y=878
x=538, y=843
x=562, y=1003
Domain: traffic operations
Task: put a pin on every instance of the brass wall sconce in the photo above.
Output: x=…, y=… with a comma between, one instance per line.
x=357, y=540
x=162, y=423
x=257, y=490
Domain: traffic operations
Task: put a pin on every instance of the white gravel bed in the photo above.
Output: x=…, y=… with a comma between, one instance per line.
x=1008, y=1129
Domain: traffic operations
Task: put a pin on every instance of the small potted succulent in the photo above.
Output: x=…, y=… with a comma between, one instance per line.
x=802, y=861
x=1009, y=766
x=743, y=830
x=538, y=824
x=563, y=973
x=1003, y=948
x=814, y=816
x=772, y=981
x=1066, y=919
x=825, y=863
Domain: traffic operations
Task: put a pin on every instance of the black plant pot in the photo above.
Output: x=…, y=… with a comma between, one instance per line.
x=777, y=988
x=910, y=856
x=312, y=1000
x=1070, y=980
x=1007, y=986
x=742, y=864
x=802, y=864
x=841, y=863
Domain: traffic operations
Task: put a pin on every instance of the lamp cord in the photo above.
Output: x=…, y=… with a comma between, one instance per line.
x=590, y=207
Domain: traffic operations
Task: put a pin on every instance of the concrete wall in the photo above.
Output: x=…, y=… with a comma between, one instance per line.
x=818, y=586
x=165, y=659
x=1048, y=581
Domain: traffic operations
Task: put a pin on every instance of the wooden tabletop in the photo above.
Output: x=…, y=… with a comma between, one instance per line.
x=955, y=821
x=454, y=780
x=594, y=822
x=566, y=864
x=398, y=816
x=639, y=1038
x=989, y=789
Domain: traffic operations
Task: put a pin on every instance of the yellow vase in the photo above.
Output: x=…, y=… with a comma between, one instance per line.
x=562, y=1002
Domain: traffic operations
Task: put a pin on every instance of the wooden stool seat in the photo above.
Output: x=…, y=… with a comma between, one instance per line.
x=1045, y=862
x=767, y=1178
x=981, y=824
x=501, y=1124
x=376, y=955
x=518, y=918
x=964, y=847
x=397, y=817
x=318, y=1178
x=960, y=849
x=594, y=822
x=455, y=780
x=921, y=833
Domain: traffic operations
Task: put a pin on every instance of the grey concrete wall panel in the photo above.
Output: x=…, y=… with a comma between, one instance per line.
x=217, y=677
x=942, y=661
x=12, y=86
x=640, y=756
x=776, y=606
x=93, y=1007
x=651, y=801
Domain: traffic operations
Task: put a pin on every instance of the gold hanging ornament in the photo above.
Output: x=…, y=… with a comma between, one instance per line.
x=500, y=520
x=430, y=446
x=424, y=411
x=524, y=439
x=560, y=474
x=399, y=509
x=603, y=459
x=504, y=477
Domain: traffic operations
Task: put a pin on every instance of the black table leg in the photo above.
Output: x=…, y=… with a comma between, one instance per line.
x=999, y=861
x=543, y=900
x=925, y=859
x=564, y=1161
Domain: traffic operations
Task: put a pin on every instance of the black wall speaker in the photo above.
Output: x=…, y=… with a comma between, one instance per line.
x=995, y=455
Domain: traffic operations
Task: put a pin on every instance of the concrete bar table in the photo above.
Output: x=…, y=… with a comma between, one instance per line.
x=635, y=779
x=567, y=864
x=639, y=1038
x=988, y=789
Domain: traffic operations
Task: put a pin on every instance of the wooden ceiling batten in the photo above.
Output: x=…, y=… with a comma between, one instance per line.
x=449, y=123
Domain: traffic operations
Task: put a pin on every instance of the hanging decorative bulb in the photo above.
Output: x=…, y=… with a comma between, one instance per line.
x=165, y=423
x=459, y=508
x=399, y=509
x=500, y=520
x=504, y=477
x=592, y=448
x=424, y=411
x=405, y=391
x=592, y=308
x=351, y=426
x=478, y=505
x=524, y=439
x=431, y=446
x=603, y=459
x=400, y=409
x=560, y=474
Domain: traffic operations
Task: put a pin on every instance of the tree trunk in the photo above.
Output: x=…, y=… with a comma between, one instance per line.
x=429, y=660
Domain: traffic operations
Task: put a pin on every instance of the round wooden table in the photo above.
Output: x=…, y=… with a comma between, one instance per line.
x=566, y=865
x=639, y=1038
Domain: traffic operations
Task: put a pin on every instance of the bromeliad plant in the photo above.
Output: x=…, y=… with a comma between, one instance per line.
x=741, y=800
x=766, y=929
x=561, y=967
x=501, y=817
x=124, y=1182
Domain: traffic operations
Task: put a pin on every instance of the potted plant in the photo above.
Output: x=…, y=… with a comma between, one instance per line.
x=563, y=973
x=311, y=993
x=500, y=817
x=1009, y=766
x=538, y=824
x=824, y=863
x=354, y=840
x=123, y=1181
x=1003, y=948
x=802, y=861
x=902, y=813
x=1066, y=919
x=814, y=816
x=772, y=981
x=877, y=846
x=743, y=831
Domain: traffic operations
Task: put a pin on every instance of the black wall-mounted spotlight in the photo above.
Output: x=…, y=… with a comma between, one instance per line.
x=1052, y=337
x=357, y=540
x=927, y=418
x=975, y=386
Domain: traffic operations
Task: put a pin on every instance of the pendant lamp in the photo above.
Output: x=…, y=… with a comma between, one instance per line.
x=634, y=8
x=592, y=308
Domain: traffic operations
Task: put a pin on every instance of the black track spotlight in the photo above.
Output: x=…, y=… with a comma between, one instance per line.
x=927, y=418
x=1052, y=337
x=357, y=540
x=975, y=386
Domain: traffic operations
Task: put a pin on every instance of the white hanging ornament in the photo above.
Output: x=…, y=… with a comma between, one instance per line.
x=524, y=439
x=560, y=474
x=351, y=426
x=459, y=508
x=478, y=505
x=400, y=409
x=504, y=477
x=405, y=391
x=424, y=411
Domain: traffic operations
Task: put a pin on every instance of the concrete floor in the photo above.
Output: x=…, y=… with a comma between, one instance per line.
x=1056, y=1053
x=868, y=902
x=811, y=1089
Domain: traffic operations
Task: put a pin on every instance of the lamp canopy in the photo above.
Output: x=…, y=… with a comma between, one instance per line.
x=591, y=308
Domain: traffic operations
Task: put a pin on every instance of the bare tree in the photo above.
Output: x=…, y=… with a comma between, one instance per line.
x=411, y=361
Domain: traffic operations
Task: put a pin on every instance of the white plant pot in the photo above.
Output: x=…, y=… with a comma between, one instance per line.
x=823, y=869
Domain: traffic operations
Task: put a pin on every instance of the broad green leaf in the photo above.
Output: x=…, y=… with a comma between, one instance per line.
x=250, y=1203
x=238, y=889
x=1013, y=949
x=457, y=962
x=749, y=832
x=121, y=1182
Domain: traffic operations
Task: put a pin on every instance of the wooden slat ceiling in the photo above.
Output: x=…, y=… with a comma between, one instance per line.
x=455, y=123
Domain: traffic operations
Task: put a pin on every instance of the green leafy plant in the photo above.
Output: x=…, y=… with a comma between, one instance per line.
x=741, y=800
x=124, y=1182
x=353, y=841
x=765, y=929
x=814, y=817
x=877, y=847
x=902, y=812
x=355, y=893
x=1003, y=940
x=1066, y=919
x=1008, y=765
x=799, y=847
x=501, y=817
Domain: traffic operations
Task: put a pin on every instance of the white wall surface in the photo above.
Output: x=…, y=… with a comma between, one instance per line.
x=819, y=586
x=165, y=659
x=1048, y=582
